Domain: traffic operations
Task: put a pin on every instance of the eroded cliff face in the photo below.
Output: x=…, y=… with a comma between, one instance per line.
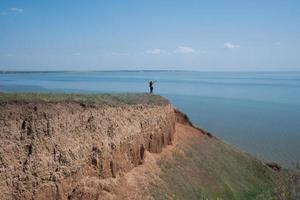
x=48, y=149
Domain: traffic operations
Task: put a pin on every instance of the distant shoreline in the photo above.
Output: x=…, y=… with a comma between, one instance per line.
x=96, y=71
x=85, y=71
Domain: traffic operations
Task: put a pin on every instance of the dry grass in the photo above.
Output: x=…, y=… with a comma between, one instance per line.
x=109, y=99
x=206, y=168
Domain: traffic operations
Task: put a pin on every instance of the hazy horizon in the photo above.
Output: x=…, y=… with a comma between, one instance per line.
x=150, y=70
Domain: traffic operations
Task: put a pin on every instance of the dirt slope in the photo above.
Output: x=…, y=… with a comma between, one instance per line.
x=197, y=166
x=70, y=150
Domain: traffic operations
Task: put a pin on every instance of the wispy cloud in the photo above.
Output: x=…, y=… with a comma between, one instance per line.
x=277, y=43
x=185, y=50
x=3, y=13
x=17, y=9
x=156, y=51
x=229, y=45
x=119, y=54
x=77, y=54
x=7, y=55
x=11, y=10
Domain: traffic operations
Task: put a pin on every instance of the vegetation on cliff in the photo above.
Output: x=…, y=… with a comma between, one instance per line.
x=116, y=146
x=108, y=99
x=201, y=167
x=52, y=144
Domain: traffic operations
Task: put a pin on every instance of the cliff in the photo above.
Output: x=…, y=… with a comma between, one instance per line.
x=48, y=147
x=119, y=147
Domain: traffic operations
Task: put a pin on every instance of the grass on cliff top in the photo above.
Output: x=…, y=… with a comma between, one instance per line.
x=108, y=99
x=208, y=169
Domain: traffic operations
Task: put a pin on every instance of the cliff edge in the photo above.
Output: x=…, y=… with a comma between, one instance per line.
x=63, y=146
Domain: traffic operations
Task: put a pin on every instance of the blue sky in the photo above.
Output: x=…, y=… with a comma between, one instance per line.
x=215, y=35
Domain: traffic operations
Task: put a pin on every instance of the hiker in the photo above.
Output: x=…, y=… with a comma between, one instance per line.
x=151, y=83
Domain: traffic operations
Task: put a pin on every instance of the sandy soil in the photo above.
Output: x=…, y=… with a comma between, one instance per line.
x=70, y=151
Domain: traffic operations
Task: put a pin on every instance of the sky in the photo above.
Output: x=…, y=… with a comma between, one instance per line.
x=214, y=35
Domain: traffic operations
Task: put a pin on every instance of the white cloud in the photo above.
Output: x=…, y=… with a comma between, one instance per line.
x=17, y=9
x=76, y=54
x=229, y=45
x=277, y=43
x=11, y=10
x=185, y=50
x=156, y=51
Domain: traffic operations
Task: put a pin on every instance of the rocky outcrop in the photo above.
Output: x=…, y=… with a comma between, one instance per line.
x=47, y=149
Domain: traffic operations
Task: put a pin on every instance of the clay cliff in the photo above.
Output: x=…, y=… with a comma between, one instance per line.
x=48, y=148
x=132, y=149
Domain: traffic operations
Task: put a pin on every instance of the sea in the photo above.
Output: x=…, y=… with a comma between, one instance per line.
x=256, y=112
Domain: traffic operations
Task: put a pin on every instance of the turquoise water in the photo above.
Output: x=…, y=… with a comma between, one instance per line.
x=257, y=112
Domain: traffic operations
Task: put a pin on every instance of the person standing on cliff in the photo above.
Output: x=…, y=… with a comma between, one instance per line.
x=151, y=83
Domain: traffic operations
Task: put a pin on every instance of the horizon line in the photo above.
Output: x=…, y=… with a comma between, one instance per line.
x=142, y=70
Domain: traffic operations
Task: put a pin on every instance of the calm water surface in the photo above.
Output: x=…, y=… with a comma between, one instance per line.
x=256, y=112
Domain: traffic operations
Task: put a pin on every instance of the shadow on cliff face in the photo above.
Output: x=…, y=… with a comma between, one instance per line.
x=54, y=146
x=182, y=118
x=88, y=151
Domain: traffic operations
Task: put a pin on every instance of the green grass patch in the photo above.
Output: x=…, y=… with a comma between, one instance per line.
x=108, y=99
x=210, y=169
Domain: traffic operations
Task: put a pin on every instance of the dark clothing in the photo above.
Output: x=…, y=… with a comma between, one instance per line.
x=151, y=86
x=151, y=89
